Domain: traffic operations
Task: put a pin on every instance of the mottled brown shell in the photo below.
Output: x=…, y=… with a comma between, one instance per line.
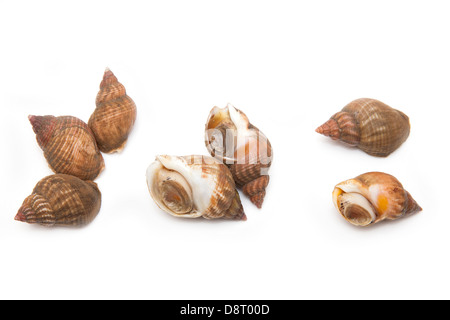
x=194, y=186
x=373, y=197
x=114, y=115
x=370, y=125
x=69, y=146
x=61, y=200
x=231, y=138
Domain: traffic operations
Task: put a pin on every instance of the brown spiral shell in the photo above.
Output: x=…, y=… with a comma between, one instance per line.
x=61, y=200
x=69, y=146
x=114, y=115
x=231, y=138
x=370, y=125
x=373, y=197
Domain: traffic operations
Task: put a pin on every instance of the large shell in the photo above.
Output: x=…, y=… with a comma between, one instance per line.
x=373, y=197
x=370, y=125
x=231, y=138
x=69, y=146
x=114, y=115
x=61, y=200
x=194, y=186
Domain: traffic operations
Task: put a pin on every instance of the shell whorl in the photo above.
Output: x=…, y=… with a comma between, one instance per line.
x=114, y=115
x=194, y=186
x=61, y=200
x=370, y=125
x=231, y=138
x=342, y=126
x=373, y=197
x=69, y=146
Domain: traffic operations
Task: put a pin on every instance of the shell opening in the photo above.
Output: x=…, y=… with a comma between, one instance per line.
x=171, y=190
x=356, y=209
x=175, y=192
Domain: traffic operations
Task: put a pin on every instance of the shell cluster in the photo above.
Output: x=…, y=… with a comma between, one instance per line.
x=73, y=149
x=205, y=186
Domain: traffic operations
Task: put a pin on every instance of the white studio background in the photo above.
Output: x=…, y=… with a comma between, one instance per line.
x=289, y=65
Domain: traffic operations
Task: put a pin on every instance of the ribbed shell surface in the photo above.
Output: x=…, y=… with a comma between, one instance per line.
x=382, y=129
x=114, y=115
x=61, y=200
x=69, y=146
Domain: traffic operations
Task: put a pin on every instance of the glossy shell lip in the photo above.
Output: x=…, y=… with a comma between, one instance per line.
x=170, y=163
x=366, y=213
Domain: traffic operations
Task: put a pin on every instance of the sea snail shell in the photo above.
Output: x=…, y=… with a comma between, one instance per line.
x=194, y=186
x=114, y=115
x=370, y=125
x=373, y=197
x=232, y=139
x=69, y=146
x=61, y=200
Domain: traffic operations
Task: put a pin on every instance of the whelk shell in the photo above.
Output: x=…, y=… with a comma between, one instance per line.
x=194, y=186
x=373, y=197
x=231, y=138
x=61, y=200
x=370, y=125
x=69, y=146
x=114, y=115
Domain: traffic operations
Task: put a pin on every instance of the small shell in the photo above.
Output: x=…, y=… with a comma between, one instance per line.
x=231, y=138
x=370, y=125
x=69, y=146
x=373, y=197
x=114, y=117
x=194, y=186
x=61, y=200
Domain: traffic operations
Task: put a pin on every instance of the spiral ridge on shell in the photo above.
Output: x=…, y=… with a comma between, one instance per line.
x=370, y=125
x=61, y=200
x=114, y=115
x=68, y=145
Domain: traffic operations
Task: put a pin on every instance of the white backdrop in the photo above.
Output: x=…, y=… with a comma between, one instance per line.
x=289, y=65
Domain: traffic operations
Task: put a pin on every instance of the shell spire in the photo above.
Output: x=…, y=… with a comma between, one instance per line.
x=43, y=127
x=108, y=78
x=329, y=129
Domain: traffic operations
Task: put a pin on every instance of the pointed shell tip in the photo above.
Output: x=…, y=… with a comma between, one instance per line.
x=20, y=216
